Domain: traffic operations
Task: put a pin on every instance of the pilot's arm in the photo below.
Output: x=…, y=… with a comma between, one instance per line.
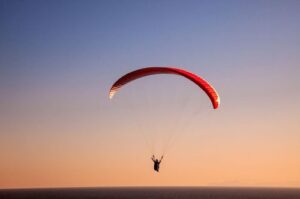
x=161, y=159
x=153, y=158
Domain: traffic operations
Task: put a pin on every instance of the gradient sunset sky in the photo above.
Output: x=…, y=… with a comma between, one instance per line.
x=58, y=59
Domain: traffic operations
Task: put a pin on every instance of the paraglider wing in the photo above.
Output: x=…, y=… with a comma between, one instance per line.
x=204, y=85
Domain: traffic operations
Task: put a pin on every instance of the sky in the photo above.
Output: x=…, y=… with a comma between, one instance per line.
x=58, y=127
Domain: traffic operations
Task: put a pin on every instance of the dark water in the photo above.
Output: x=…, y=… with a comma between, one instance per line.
x=148, y=193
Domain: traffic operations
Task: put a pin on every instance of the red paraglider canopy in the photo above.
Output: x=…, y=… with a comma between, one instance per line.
x=204, y=85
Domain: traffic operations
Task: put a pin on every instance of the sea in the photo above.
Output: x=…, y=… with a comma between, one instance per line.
x=152, y=193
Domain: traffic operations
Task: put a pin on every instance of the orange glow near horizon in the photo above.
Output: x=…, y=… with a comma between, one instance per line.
x=234, y=157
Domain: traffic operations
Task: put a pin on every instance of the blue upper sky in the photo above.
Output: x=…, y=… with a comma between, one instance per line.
x=45, y=42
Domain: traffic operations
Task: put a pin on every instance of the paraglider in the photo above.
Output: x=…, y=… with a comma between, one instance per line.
x=156, y=163
x=136, y=74
x=206, y=87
